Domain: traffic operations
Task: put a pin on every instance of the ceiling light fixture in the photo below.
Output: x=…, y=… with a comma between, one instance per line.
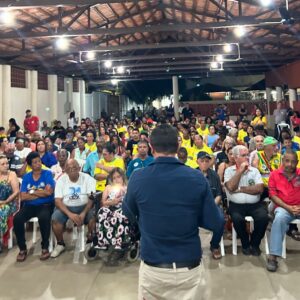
x=90, y=55
x=62, y=43
x=219, y=58
x=7, y=18
x=266, y=3
x=108, y=64
x=214, y=65
x=114, y=81
x=239, y=31
x=227, y=48
x=120, y=70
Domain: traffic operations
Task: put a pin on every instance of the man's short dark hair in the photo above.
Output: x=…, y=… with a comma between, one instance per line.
x=290, y=151
x=28, y=110
x=183, y=151
x=31, y=156
x=164, y=139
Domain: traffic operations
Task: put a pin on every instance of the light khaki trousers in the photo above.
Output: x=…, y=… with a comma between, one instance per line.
x=169, y=284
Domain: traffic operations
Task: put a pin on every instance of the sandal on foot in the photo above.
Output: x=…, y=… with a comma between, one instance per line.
x=22, y=256
x=45, y=254
x=216, y=254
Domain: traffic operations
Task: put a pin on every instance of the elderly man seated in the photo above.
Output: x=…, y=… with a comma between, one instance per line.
x=72, y=202
x=243, y=188
x=284, y=190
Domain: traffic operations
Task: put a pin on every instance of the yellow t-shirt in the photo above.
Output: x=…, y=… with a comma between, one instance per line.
x=28, y=168
x=193, y=151
x=241, y=135
x=203, y=132
x=296, y=139
x=264, y=167
x=91, y=148
x=190, y=163
x=186, y=143
x=121, y=129
x=117, y=162
x=258, y=120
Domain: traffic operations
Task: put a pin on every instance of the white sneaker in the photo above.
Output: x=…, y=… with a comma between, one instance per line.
x=57, y=250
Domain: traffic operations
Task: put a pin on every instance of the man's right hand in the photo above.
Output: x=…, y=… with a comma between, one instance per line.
x=76, y=219
x=244, y=166
x=294, y=210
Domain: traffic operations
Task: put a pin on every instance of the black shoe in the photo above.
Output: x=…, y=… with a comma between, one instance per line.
x=0, y=247
x=255, y=251
x=246, y=251
x=272, y=265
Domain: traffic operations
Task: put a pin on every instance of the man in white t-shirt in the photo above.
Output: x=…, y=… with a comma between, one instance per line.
x=21, y=151
x=72, y=202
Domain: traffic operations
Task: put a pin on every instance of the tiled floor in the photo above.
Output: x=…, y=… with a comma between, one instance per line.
x=233, y=277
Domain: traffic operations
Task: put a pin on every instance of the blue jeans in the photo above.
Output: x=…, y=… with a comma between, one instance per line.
x=279, y=228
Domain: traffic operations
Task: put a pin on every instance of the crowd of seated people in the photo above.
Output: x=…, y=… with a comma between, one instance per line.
x=58, y=168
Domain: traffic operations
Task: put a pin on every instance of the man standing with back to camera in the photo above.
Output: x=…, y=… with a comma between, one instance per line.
x=170, y=202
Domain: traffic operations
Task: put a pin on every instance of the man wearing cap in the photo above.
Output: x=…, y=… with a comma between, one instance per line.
x=243, y=185
x=267, y=160
x=203, y=160
x=21, y=150
x=31, y=123
x=284, y=190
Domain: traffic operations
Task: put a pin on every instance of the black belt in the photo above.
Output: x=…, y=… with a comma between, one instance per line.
x=190, y=265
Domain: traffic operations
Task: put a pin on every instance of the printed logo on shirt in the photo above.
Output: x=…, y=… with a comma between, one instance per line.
x=136, y=164
x=251, y=182
x=74, y=193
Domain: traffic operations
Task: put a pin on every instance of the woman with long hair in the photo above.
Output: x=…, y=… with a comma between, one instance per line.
x=48, y=159
x=9, y=191
x=259, y=118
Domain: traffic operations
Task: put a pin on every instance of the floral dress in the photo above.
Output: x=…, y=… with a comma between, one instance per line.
x=113, y=228
x=7, y=209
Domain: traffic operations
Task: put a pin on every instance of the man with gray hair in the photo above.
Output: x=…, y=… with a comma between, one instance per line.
x=244, y=185
x=259, y=146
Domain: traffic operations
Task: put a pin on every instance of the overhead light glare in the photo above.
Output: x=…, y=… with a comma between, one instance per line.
x=266, y=3
x=219, y=58
x=227, y=48
x=114, y=81
x=62, y=43
x=108, y=64
x=90, y=55
x=239, y=31
x=7, y=18
x=120, y=70
x=214, y=65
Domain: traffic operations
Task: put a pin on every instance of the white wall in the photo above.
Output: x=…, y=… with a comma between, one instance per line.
x=19, y=104
x=93, y=105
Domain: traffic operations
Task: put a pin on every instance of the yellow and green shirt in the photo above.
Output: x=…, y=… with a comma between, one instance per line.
x=90, y=148
x=117, y=162
x=266, y=166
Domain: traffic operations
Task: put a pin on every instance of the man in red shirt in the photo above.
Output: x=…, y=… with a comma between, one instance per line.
x=31, y=123
x=284, y=190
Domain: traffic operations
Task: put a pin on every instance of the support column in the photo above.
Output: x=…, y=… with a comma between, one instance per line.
x=278, y=93
x=33, y=89
x=52, y=83
x=269, y=99
x=6, y=95
x=82, y=113
x=175, y=96
x=292, y=97
x=69, y=92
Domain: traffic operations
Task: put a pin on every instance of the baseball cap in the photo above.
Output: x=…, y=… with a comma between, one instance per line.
x=203, y=154
x=269, y=140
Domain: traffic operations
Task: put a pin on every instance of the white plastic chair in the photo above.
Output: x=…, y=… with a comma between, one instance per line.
x=78, y=234
x=222, y=247
x=35, y=222
x=296, y=221
x=234, y=236
x=10, y=240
